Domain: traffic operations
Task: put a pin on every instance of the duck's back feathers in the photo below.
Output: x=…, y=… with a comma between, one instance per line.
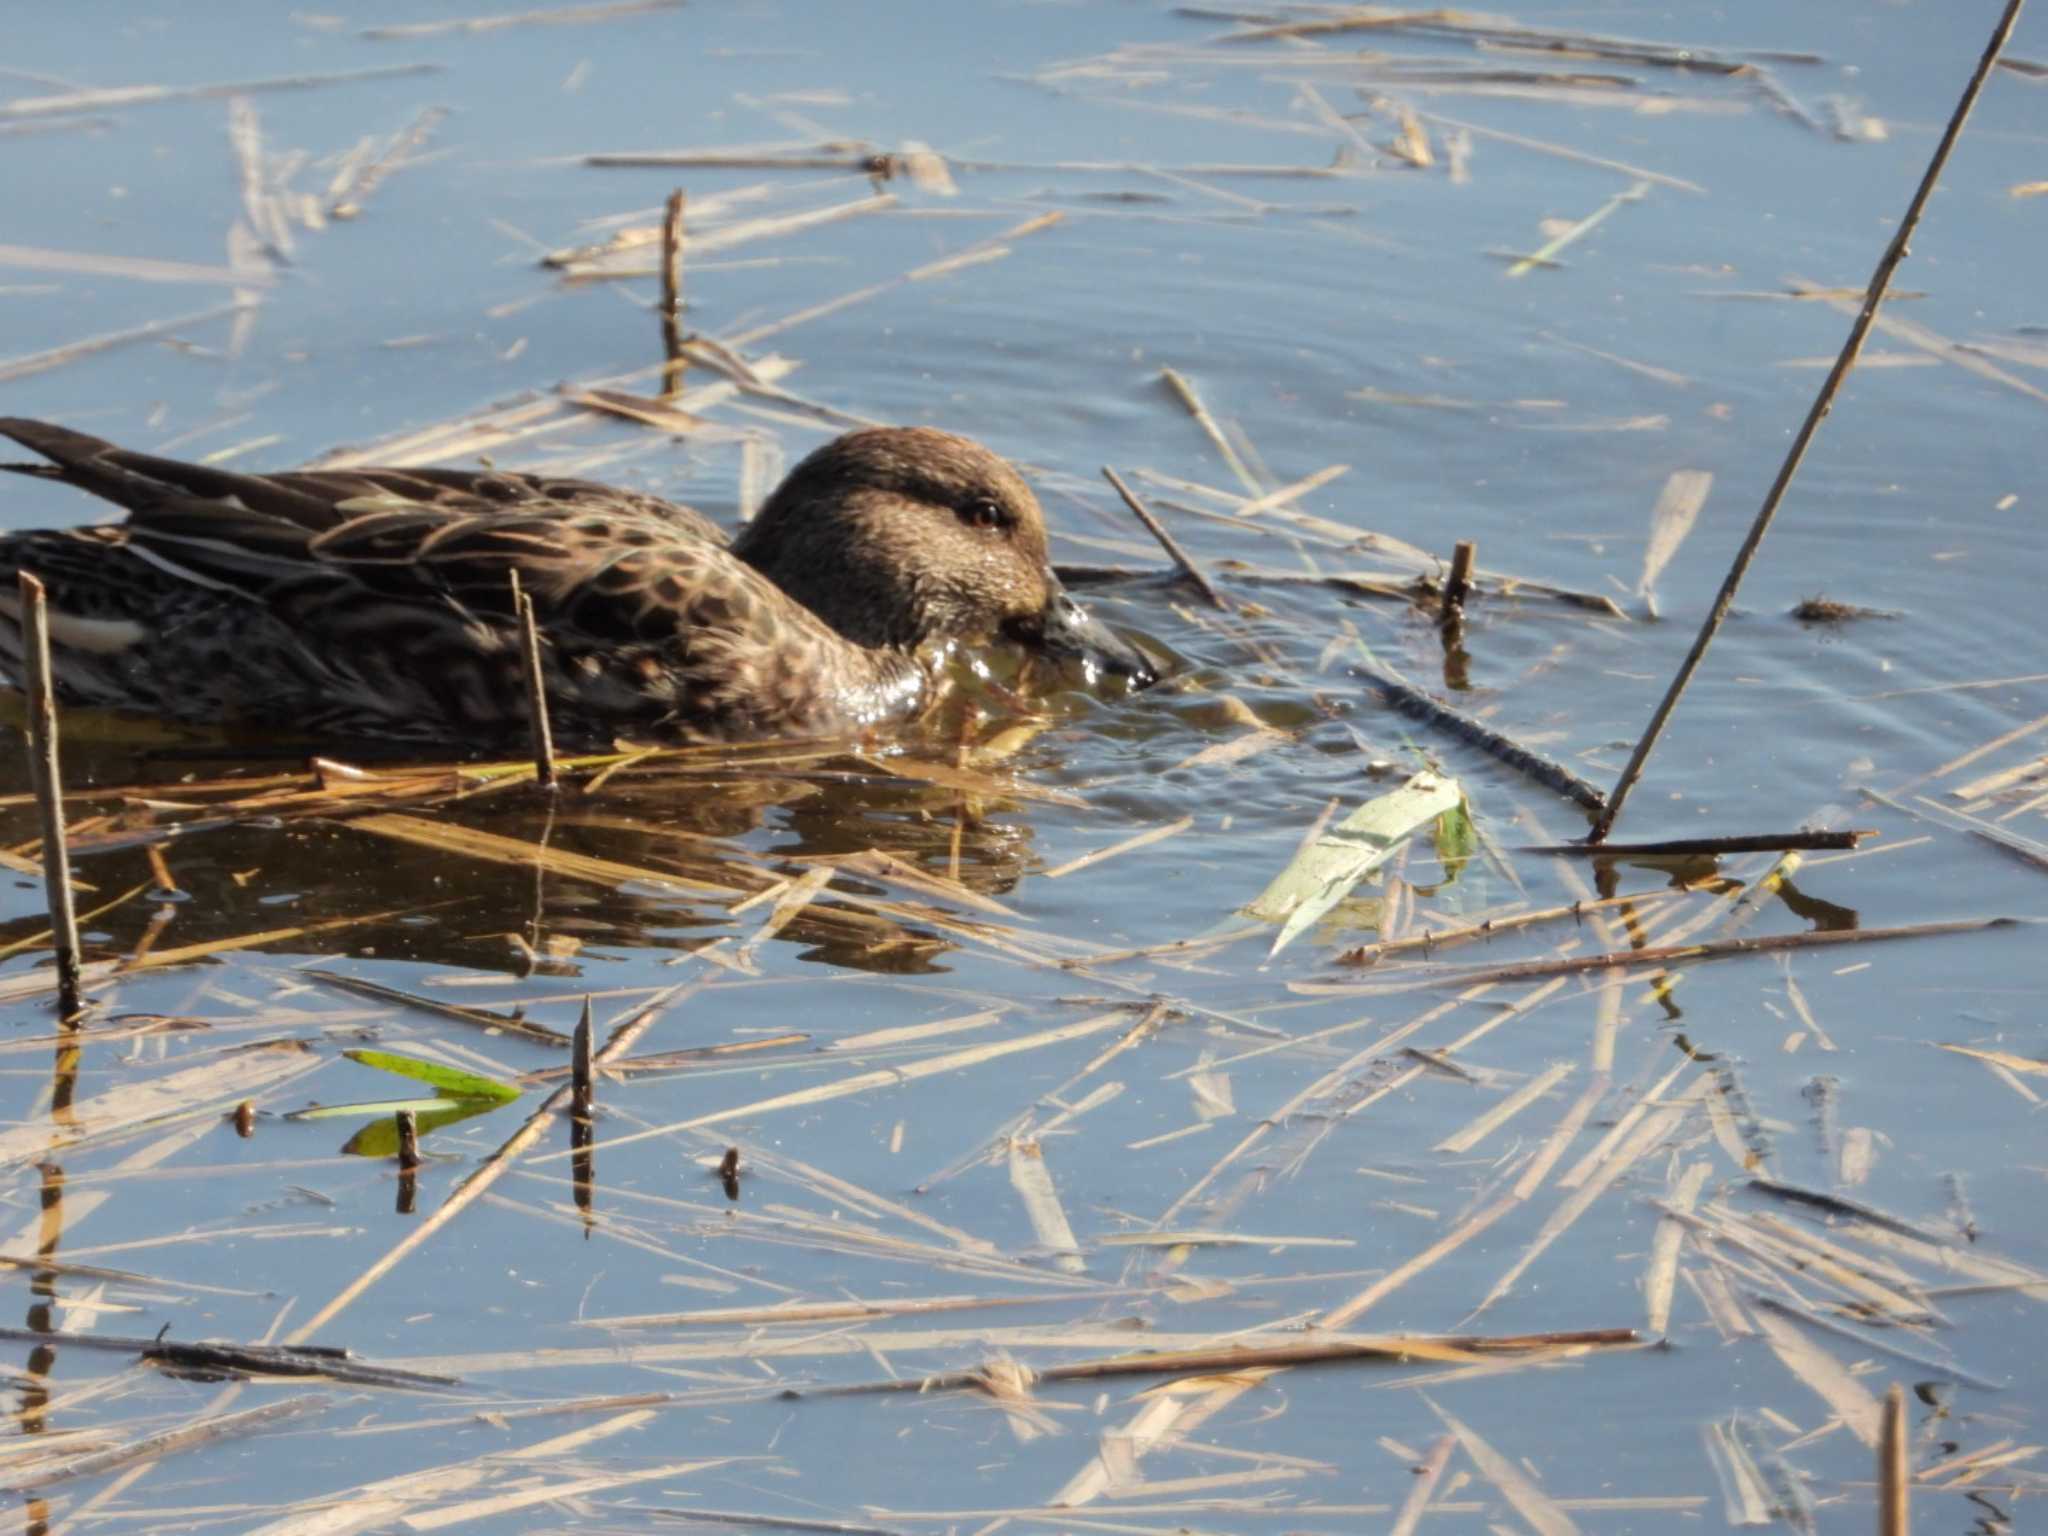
x=315, y=500
x=339, y=600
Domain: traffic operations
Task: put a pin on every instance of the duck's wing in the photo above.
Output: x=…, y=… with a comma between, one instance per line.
x=290, y=600
x=639, y=625
x=316, y=501
x=496, y=490
x=598, y=564
x=596, y=578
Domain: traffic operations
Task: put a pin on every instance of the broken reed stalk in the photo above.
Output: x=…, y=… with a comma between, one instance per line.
x=1167, y=542
x=219, y=1356
x=1893, y=1517
x=1430, y=940
x=1717, y=949
x=1880, y=281
x=185, y=1436
x=1391, y=1348
x=536, y=686
x=1843, y=1206
x=672, y=257
x=49, y=787
x=1458, y=584
x=675, y=359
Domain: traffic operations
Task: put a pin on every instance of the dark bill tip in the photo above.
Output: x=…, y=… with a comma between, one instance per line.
x=1067, y=631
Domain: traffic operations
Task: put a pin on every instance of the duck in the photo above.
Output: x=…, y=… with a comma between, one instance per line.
x=378, y=602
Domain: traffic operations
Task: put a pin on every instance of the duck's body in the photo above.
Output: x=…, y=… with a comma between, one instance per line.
x=379, y=602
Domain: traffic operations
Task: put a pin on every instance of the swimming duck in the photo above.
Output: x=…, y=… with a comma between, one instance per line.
x=378, y=601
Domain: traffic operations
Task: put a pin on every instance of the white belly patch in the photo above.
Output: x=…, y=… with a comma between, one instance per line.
x=102, y=637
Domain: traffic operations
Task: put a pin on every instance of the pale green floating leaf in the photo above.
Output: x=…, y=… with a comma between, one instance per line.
x=450, y=1081
x=385, y=1107
x=1324, y=872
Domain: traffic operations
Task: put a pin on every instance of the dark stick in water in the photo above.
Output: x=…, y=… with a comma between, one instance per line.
x=1545, y=771
x=1459, y=582
x=1693, y=847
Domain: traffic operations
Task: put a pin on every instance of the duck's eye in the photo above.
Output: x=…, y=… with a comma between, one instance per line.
x=984, y=512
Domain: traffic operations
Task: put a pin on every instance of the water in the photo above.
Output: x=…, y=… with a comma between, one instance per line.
x=1311, y=313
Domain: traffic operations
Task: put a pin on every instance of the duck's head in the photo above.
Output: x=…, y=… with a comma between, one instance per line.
x=896, y=536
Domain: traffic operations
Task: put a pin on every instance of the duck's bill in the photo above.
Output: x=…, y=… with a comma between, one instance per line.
x=1066, y=631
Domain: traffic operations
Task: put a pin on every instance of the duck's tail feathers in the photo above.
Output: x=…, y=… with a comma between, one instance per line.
x=146, y=484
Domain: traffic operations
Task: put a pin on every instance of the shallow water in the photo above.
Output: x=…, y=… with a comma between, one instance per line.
x=1359, y=319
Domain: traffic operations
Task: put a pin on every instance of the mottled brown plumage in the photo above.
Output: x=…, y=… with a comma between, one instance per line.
x=377, y=601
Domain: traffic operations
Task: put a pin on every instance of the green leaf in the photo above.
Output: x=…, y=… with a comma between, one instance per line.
x=1323, y=873
x=452, y=1082
x=1456, y=839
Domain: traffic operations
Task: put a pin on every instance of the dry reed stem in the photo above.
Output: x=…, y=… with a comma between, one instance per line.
x=548, y=1493
x=1185, y=392
x=191, y=1093
x=1969, y=358
x=185, y=1436
x=536, y=685
x=140, y=268
x=140, y=95
x=886, y=1077
x=1129, y=844
x=1543, y=1514
x=1033, y=1183
x=1427, y=1475
x=47, y=774
x=672, y=257
x=1866, y=317
x=1824, y=1375
x=1545, y=256
x=2005, y=739
x=1530, y=970
x=70, y=352
x=482, y=1018
x=349, y=190
x=1647, y=1138
x=1661, y=1280
x=1476, y=1131
x=1167, y=542
x=1210, y=1358
x=556, y=16
x=1432, y=940
x=1562, y=152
